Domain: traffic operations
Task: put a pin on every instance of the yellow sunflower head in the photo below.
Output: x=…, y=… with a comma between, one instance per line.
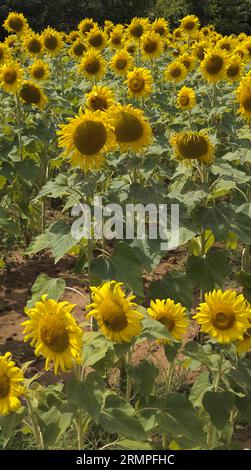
x=54, y=333
x=131, y=47
x=72, y=36
x=177, y=34
x=227, y=44
x=247, y=45
x=199, y=50
x=11, y=385
x=139, y=82
x=234, y=69
x=11, y=41
x=121, y=62
x=160, y=26
x=138, y=27
x=93, y=65
x=243, y=95
x=100, y=98
x=171, y=315
x=151, y=45
x=193, y=146
x=86, y=25
x=96, y=38
x=175, y=72
x=87, y=139
x=116, y=314
x=223, y=315
x=33, y=44
x=52, y=41
x=190, y=24
x=116, y=37
x=11, y=75
x=213, y=67
x=77, y=49
x=108, y=27
x=186, y=98
x=244, y=346
x=15, y=23
x=188, y=61
x=241, y=52
x=4, y=53
x=132, y=129
x=205, y=31
x=39, y=70
x=31, y=93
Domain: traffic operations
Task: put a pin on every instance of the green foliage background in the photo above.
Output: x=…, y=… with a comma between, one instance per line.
x=228, y=16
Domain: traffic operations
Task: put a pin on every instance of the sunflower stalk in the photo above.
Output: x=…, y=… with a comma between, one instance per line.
x=19, y=132
x=35, y=425
x=212, y=430
x=169, y=378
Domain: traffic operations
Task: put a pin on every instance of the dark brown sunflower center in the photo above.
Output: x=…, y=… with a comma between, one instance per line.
x=226, y=47
x=175, y=72
x=96, y=40
x=87, y=28
x=246, y=103
x=16, y=24
x=92, y=66
x=30, y=93
x=79, y=49
x=247, y=333
x=223, y=321
x=34, y=45
x=55, y=337
x=4, y=385
x=137, y=30
x=136, y=84
x=121, y=64
x=150, y=46
x=200, y=53
x=39, y=71
x=159, y=30
x=214, y=65
x=233, y=70
x=113, y=315
x=116, y=39
x=193, y=147
x=168, y=322
x=128, y=128
x=10, y=77
x=186, y=63
x=51, y=42
x=1, y=53
x=189, y=25
x=90, y=137
x=98, y=103
x=184, y=100
x=131, y=49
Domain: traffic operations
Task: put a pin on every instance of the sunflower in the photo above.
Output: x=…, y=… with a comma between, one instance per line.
x=11, y=75
x=177, y=33
x=131, y=47
x=86, y=25
x=92, y=66
x=190, y=24
x=15, y=23
x=199, y=50
x=234, y=69
x=243, y=95
x=4, y=53
x=226, y=44
x=160, y=26
x=31, y=93
x=244, y=346
x=186, y=98
x=72, y=36
x=116, y=37
x=116, y=314
x=52, y=41
x=151, y=45
x=108, y=27
x=188, y=61
x=138, y=27
x=247, y=45
x=171, y=315
x=86, y=139
x=241, y=52
x=205, y=31
x=175, y=71
x=223, y=315
x=11, y=41
x=132, y=129
x=121, y=62
x=33, y=44
x=189, y=146
x=77, y=49
x=213, y=67
x=39, y=70
x=177, y=50
x=100, y=98
x=96, y=38
x=11, y=385
x=139, y=82
x=54, y=333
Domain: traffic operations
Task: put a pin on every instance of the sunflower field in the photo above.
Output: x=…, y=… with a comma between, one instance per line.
x=154, y=351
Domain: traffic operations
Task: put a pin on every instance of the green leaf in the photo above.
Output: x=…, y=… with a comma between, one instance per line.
x=129, y=444
x=218, y=405
x=174, y=285
x=208, y=272
x=217, y=218
x=53, y=424
x=195, y=351
x=153, y=329
x=9, y=423
x=143, y=376
x=241, y=374
x=28, y=170
x=117, y=415
x=87, y=394
x=199, y=388
x=53, y=287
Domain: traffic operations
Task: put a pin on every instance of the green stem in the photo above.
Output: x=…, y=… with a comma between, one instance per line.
x=35, y=426
x=211, y=432
x=169, y=378
x=19, y=127
x=79, y=419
